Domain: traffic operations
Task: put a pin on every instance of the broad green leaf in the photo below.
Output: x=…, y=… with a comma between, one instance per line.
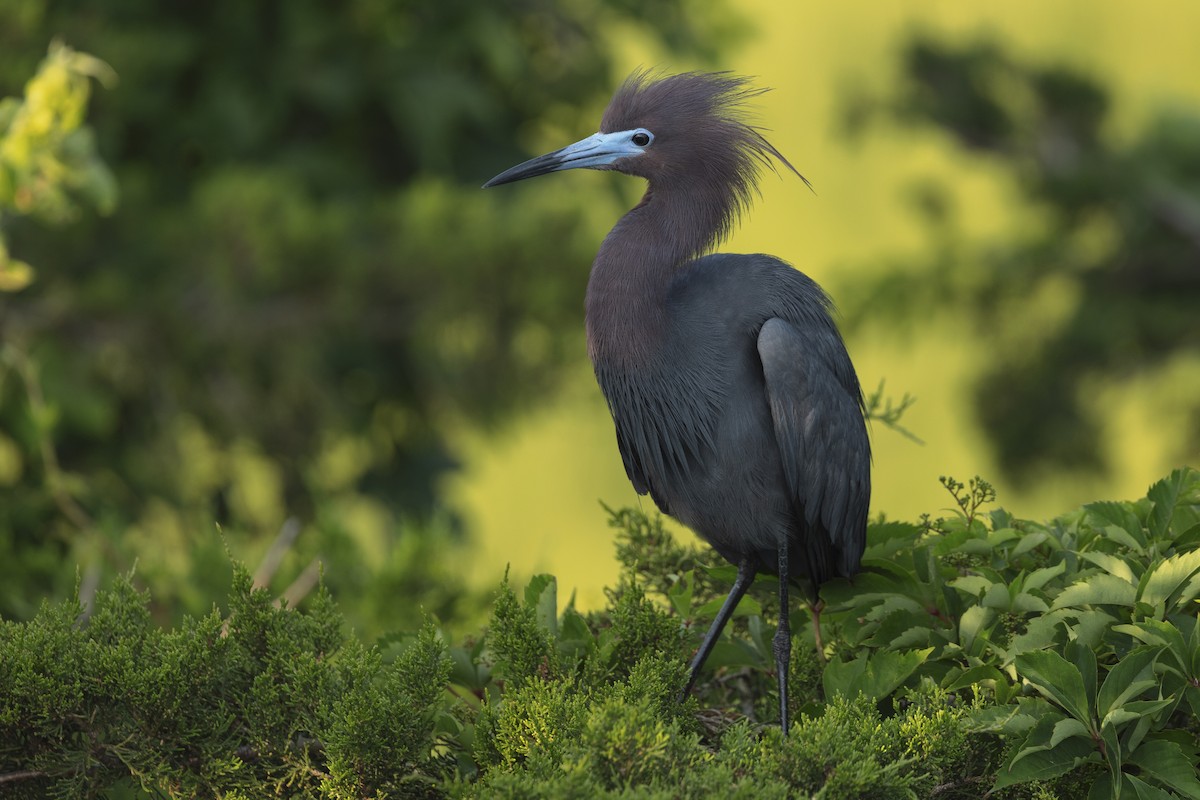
x=972, y=622
x=898, y=623
x=974, y=585
x=1111, y=517
x=1185, y=600
x=1164, y=578
x=1041, y=632
x=1122, y=537
x=1001, y=536
x=876, y=676
x=1189, y=538
x=974, y=675
x=1165, y=762
x=1040, y=577
x=746, y=607
x=1164, y=494
x=1112, y=751
x=996, y=597
x=1010, y=720
x=1132, y=675
x=1057, y=679
x=1027, y=543
x=574, y=626
x=1091, y=626
x=1066, y=728
x=542, y=595
x=950, y=542
x=1084, y=660
x=1046, y=764
x=681, y=593
x=1119, y=716
x=1097, y=590
x=1144, y=791
x=890, y=604
x=1111, y=564
x=1039, y=737
x=882, y=533
x=1159, y=633
x=1151, y=707
x=1026, y=603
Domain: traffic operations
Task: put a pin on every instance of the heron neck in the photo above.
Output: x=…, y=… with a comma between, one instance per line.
x=626, y=295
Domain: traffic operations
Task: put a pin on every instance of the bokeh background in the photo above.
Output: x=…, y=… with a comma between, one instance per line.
x=273, y=318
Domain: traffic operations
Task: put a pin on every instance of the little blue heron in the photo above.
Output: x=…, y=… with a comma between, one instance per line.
x=736, y=406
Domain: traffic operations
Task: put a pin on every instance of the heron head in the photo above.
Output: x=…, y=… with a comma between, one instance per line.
x=687, y=130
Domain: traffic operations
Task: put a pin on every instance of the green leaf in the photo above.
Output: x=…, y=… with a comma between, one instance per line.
x=1164, y=578
x=1111, y=564
x=1119, y=522
x=1144, y=791
x=1027, y=543
x=973, y=585
x=542, y=595
x=746, y=607
x=974, y=675
x=1159, y=633
x=876, y=676
x=1066, y=728
x=1165, y=762
x=1165, y=495
x=1040, y=577
x=1122, y=537
x=1046, y=764
x=1132, y=675
x=1084, y=659
x=996, y=597
x=1112, y=751
x=973, y=621
x=1001, y=536
x=904, y=623
x=1091, y=626
x=1097, y=590
x=680, y=594
x=1057, y=679
x=1026, y=603
x=1041, y=632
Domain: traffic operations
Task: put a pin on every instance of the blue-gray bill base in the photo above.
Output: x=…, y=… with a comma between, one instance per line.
x=736, y=405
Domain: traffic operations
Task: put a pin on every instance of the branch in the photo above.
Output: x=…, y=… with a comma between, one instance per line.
x=889, y=413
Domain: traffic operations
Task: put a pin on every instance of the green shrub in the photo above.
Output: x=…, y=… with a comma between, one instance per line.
x=980, y=654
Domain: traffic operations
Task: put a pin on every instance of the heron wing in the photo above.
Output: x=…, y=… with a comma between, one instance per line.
x=821, y=434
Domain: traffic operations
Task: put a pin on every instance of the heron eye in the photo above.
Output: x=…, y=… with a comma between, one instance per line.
x=642, y=138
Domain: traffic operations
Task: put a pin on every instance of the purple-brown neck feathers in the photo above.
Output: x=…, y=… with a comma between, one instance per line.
x=702, y=167
x=706, y=158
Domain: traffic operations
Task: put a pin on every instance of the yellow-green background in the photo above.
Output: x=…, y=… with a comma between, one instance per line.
x=531, y=493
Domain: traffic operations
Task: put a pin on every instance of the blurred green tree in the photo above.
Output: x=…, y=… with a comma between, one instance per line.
x=302, y=287
x=1116, y=247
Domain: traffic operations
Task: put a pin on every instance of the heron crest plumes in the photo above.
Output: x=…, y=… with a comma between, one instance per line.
x=704, y=147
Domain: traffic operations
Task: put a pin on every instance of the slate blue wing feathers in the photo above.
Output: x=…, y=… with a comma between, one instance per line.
x=822, y=440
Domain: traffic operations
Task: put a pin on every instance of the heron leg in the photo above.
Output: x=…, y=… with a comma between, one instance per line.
x=745, y=576
x=783, y=637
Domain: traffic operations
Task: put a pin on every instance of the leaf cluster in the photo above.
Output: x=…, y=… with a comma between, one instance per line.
x=975, y=655
x=258, y=701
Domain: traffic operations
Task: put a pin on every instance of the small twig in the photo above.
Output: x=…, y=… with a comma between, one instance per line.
x=303, y=584
x=889, y=413
x=274, y=555
x=30, y=774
